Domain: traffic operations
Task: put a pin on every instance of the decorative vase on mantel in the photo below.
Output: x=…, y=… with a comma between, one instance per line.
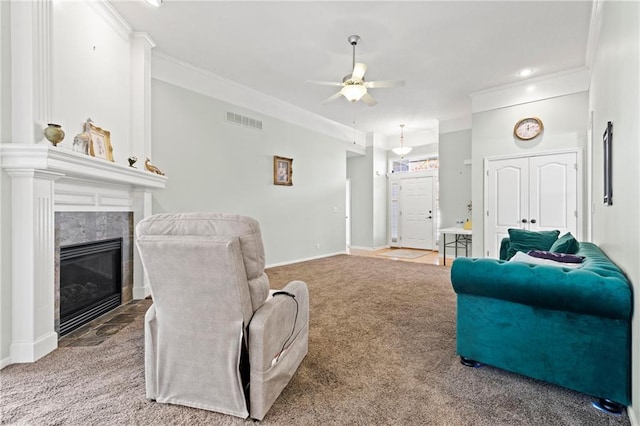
x=54, y=133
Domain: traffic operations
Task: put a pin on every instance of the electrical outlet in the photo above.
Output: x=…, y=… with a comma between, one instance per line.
x=318, y=245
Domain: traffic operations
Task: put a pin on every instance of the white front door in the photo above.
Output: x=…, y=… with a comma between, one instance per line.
x=417, y=213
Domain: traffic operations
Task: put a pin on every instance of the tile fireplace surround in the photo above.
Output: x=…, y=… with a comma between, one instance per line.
x=46, y=180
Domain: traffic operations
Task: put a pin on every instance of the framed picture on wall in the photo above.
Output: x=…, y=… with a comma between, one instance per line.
x=282, y=171
x=607, y=139
x=100, y=142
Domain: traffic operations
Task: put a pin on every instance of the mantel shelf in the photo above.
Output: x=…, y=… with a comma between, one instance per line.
x=16, y=157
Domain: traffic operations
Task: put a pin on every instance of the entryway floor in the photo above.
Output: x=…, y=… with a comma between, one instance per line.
x=428, y=256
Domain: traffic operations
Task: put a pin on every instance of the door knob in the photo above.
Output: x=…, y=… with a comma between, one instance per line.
x=524, y=220
x=533, y=221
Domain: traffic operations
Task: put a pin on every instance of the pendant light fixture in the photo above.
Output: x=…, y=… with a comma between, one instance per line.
x=402, y=150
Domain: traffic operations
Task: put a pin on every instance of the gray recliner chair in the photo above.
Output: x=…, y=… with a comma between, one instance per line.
x=216, y=338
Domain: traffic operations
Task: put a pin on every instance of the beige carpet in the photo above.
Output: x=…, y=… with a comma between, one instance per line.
x=381, y=352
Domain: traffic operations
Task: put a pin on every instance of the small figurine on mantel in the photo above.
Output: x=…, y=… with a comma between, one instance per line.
x=132, y=160
x=152, y=168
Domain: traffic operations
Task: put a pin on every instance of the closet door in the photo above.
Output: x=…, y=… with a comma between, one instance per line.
x=508, y=195
x=537, y=193
x=553, y=201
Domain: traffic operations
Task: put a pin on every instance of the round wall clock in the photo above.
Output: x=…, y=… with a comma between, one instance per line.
x=528, y=128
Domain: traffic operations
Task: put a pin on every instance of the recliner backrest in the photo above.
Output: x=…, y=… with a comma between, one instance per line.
x=246, y=229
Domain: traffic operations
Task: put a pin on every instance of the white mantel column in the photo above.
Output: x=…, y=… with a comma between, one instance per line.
x=33, y=269
x=30, y=70
x=141, y=45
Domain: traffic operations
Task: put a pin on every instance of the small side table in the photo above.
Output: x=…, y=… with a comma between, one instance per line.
x=461, y=239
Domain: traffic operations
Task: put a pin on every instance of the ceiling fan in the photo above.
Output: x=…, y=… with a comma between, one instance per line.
x=354, y=86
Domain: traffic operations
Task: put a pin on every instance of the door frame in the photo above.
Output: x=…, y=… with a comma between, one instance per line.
x=579, y=180
x=347, y=216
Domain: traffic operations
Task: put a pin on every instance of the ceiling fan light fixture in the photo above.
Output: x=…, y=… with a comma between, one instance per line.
x=401, y=150
x=353, y=92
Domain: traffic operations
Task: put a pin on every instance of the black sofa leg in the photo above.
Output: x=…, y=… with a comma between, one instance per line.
x=468, y=362
x=608, y=406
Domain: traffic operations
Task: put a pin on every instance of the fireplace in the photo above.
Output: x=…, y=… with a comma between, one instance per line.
x=90, y=281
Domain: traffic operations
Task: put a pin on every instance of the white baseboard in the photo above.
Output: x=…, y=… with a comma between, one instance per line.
x=633, y=419
x=272, y=265
x=33, y=351
x=362, y=248
x=140, y=293
x=369, y=248
x=4, y=362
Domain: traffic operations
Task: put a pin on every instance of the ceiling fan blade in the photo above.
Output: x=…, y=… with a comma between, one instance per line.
x=324, y=83
x=384, y=83
x=332, y=98
x=368, y=99
x=358, y=71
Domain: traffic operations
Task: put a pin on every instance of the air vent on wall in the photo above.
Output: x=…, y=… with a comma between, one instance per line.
x=244, y=121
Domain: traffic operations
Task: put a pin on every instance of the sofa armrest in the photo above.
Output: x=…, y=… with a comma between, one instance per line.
x=548, y=287
x=504, y=248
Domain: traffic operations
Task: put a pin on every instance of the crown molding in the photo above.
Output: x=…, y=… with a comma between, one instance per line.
x=594, y=32
x=531, y=90
x=112, y=17
x=183, y=74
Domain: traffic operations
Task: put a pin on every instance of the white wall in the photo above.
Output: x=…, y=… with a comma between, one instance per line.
x=213, y=165
x=615, y=96
x=5, y=72
x=454, y=177
x=380, y=206
x=360, y=171
x=5, y=206
x=90, y=73
x=565, y=121
x=369, y=199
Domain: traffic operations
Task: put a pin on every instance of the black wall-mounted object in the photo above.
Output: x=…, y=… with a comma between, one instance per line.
x=607, y=139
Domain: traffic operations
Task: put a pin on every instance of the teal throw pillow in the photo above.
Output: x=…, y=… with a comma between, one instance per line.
x=523, y=240
x=565, y=244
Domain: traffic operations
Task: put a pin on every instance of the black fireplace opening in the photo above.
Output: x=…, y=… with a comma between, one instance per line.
x=90, y=281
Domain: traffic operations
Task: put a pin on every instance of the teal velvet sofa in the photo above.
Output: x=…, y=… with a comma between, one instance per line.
x=570, y=327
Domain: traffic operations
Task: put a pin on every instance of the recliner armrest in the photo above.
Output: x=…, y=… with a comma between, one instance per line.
x=276, y=324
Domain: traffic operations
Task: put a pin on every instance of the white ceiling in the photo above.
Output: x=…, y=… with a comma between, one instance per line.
x=444, y=50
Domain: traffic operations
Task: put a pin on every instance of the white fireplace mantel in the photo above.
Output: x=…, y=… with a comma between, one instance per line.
x=46, y=179
x=72, y=164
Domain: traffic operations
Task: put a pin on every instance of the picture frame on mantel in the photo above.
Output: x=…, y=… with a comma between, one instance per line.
x=100, y=142
x=282, y=171
x=607, y=139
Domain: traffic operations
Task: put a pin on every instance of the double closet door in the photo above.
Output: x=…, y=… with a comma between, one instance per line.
x=536, y=193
